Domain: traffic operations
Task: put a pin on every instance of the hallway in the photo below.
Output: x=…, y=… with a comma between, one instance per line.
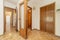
x=37, y=22
x=34, y=35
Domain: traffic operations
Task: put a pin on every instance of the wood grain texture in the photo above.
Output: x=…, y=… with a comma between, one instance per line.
x=23, y=32
x=47, y=20
x=33, y=35
x=29, y=18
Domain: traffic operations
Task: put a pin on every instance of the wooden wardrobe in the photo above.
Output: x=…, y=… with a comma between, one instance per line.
x=47, y=18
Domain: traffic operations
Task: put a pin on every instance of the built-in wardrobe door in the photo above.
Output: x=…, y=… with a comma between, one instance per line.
x=50, y=18
x=42, y=18
x=47, y=18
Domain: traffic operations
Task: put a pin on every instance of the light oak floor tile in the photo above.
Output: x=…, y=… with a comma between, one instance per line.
x=32, y=35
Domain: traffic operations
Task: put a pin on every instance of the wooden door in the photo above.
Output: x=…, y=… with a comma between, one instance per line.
x=47, y=18
x=42, y=18
x=50, y=18
x=4, y=20
x=29, y=18
x=23, y=19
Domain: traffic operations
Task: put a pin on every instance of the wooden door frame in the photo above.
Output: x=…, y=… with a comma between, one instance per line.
x=20, y=17
x=29, y=7
x=31, y=16
x=5, y=18
x=53, y=15
x=25, y=17
x=4, y=21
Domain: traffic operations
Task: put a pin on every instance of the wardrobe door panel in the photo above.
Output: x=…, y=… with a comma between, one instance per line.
x=50, y=18
x=42, y=19
x=47, y=18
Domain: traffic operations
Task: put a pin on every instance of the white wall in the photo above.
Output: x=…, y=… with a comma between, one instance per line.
x=57, y=18
x=1, y=18
x=36, y=13
x=8, y=4
x=20, y=1
x=57, y=29
x=22, y=16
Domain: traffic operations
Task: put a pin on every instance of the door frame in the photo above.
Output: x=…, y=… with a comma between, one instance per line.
x=25, y=17
x=5, y=17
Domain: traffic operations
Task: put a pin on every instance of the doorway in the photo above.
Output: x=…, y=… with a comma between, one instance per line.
x=29, y=18
x=47, y=18
x=9, y=20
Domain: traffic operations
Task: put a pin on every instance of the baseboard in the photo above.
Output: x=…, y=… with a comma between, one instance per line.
x=36, y=29
x=57, y=36
x=2, y=34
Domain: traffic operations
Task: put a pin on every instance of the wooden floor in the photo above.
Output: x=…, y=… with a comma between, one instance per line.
x=33, y=35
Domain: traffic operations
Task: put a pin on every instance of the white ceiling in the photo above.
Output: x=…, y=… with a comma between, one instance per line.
x=12, y=1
